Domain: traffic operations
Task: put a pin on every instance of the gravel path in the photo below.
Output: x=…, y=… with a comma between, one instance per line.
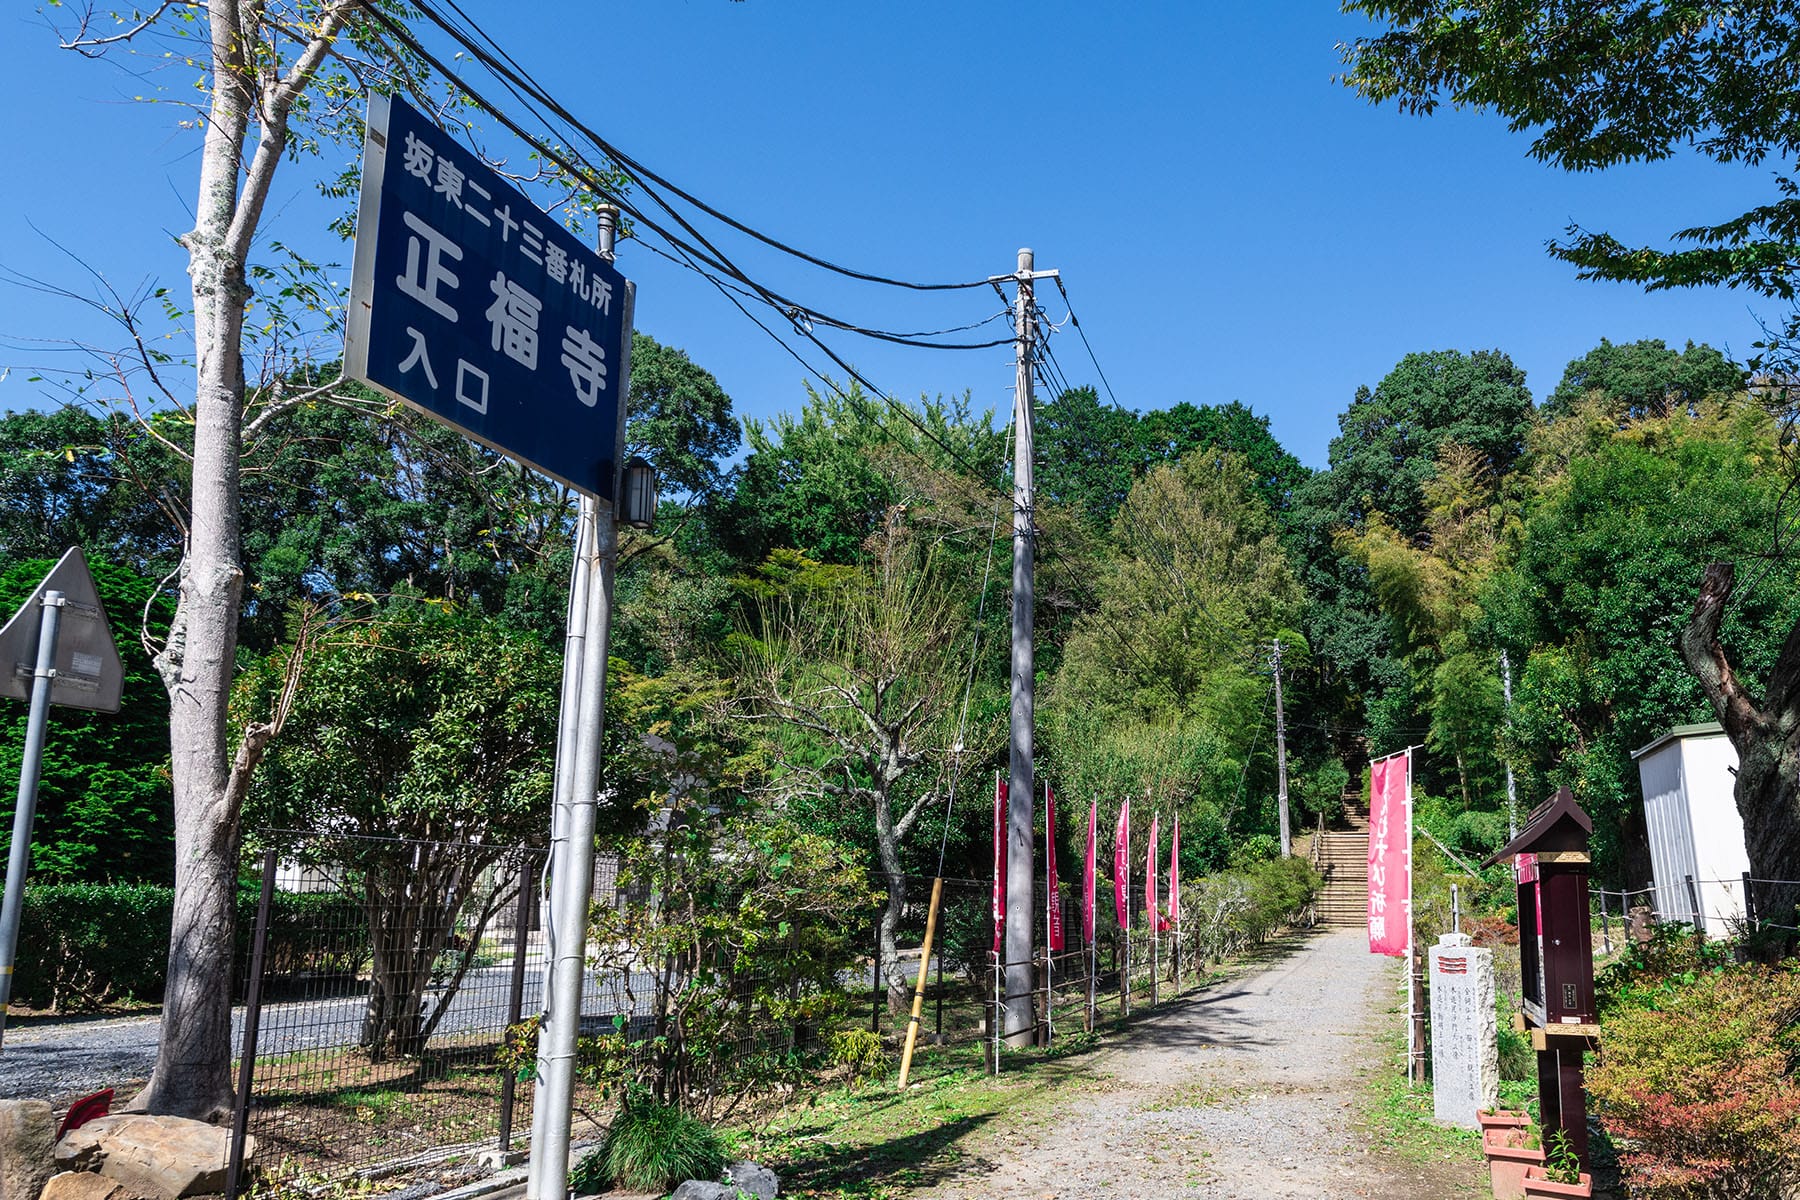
x=1247, y=1091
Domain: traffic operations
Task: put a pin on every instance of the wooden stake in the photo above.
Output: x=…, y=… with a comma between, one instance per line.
x=912, y=1026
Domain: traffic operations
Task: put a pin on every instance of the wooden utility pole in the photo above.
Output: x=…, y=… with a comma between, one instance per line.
x=1281, y=787
x=1017, y=1022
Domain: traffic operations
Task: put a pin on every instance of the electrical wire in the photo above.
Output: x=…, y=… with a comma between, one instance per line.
x=521, y=77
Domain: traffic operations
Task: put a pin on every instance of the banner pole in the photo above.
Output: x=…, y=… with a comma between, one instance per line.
x=1412, y=1013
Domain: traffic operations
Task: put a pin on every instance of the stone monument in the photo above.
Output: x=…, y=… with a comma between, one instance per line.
x=1465, y=1050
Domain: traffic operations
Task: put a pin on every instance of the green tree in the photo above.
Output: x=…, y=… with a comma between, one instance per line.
x=418, y=744
x=1597, y=85
x=680, y=419
x=103, y=801
x=1645, y=379
x=856, y=676
x=1601, y=595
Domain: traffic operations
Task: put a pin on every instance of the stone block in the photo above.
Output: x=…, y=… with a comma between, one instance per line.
x=1465, y=1050
x=27, y=1140
x=160, y=1157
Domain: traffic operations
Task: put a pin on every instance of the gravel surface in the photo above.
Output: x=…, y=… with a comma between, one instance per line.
x=1247, y=1091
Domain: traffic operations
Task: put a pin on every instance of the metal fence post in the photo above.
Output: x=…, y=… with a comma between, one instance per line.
x=1605, y=924
x=515, y=998
x=940, y=996
x=1750, y=914
x=240, y=1117
x=1694, y=907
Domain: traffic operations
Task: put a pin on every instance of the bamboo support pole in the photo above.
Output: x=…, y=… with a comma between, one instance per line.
x=912, y=1026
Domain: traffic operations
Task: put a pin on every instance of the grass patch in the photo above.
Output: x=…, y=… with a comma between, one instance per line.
x=1398, y=1115
x=875, y=1141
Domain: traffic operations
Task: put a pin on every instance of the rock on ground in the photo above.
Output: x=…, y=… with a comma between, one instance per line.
x=166, y=1157
x=700, y=1189
x=754, y=1178
x=27, y=1135
x=86, y=1185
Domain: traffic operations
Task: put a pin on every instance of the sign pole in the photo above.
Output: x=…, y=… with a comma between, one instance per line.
x=573, y=882
x=18, y=861
x=1412, y=1007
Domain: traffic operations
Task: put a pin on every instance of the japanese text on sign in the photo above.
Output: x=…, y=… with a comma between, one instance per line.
x=470, y=304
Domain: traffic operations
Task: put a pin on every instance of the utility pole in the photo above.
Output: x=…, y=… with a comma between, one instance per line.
x=1281, y=789
x=1512, y=795
x=1017, y=1022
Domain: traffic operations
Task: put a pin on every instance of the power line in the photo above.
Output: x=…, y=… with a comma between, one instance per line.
x=636, y=168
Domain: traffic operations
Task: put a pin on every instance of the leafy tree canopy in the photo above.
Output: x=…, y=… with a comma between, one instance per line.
x=1645, y=378
x=1597, y=85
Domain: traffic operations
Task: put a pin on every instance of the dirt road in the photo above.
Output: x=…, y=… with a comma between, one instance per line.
x=1249, y=1091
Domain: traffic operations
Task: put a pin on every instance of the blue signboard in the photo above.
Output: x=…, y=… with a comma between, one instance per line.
x=469, y=304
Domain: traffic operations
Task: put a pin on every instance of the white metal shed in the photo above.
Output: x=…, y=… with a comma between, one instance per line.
x=1688, y=776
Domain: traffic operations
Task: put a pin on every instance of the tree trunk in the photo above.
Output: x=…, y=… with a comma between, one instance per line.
x=193, y=1063
x=1766, y=736
x=887, y=845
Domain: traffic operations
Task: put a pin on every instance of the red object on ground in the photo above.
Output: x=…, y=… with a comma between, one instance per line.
x=85, y=1110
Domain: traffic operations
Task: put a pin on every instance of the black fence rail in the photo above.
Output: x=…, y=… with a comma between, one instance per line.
x=1754, y=906
x=374, y=1021
x=388, y=983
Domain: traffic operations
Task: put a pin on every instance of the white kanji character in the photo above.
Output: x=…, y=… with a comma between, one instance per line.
x=514, y=314
x=578, y=277
x=450, y=181
x=473, y=210
x=418, y=358
x=507, y=224
x=602, y=296
x=418, y=158
x=556, y=263
x=1378, y=929
x=437, y=273
x=463, y=371
x=531, y=242
x=586, y=360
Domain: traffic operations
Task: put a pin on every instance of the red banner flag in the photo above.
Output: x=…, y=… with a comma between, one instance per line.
x=1053, y=918
x=999, y=859
x=1152, y=914
x=1122, y=865
x=1087, y=873
x=1175, y=875
x=1390, y=856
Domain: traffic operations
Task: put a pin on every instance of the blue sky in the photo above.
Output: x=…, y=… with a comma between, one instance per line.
x=1230, y=223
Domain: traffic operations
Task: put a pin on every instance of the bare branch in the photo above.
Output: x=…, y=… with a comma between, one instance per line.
x=92, y=47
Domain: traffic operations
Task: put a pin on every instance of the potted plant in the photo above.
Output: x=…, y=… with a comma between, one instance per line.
x=1560, y=1174
x=1510, y=1153
x=1502, y=1118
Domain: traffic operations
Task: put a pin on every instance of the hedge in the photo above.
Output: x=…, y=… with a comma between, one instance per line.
x=84, y=946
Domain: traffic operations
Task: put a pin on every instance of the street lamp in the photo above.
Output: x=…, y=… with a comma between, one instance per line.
x=638, y=504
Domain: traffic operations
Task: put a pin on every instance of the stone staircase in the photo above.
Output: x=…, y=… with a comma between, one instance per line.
x=1343, y=858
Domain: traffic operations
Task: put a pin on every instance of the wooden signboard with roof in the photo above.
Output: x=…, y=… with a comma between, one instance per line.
x=1556, y=958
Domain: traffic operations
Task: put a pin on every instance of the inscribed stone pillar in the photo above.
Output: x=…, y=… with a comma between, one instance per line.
x=1465, y=1051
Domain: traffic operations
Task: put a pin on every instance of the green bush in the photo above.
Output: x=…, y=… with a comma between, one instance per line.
x=1227, y=912
x=651, y=1147
x=860, y=1050
x=83, y=946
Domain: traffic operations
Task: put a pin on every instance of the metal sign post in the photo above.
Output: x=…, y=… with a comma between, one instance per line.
x=45, y=662
x=468, y=304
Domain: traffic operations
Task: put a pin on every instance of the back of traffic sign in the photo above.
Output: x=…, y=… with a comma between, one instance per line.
x=88, y=672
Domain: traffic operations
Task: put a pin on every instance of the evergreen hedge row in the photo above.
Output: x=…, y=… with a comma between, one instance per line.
x=84, y=946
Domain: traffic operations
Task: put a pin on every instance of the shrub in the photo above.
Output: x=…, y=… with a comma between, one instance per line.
x=652, y=1146
x=1697, y=1070
x=860, y=1050
x=83, y=946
